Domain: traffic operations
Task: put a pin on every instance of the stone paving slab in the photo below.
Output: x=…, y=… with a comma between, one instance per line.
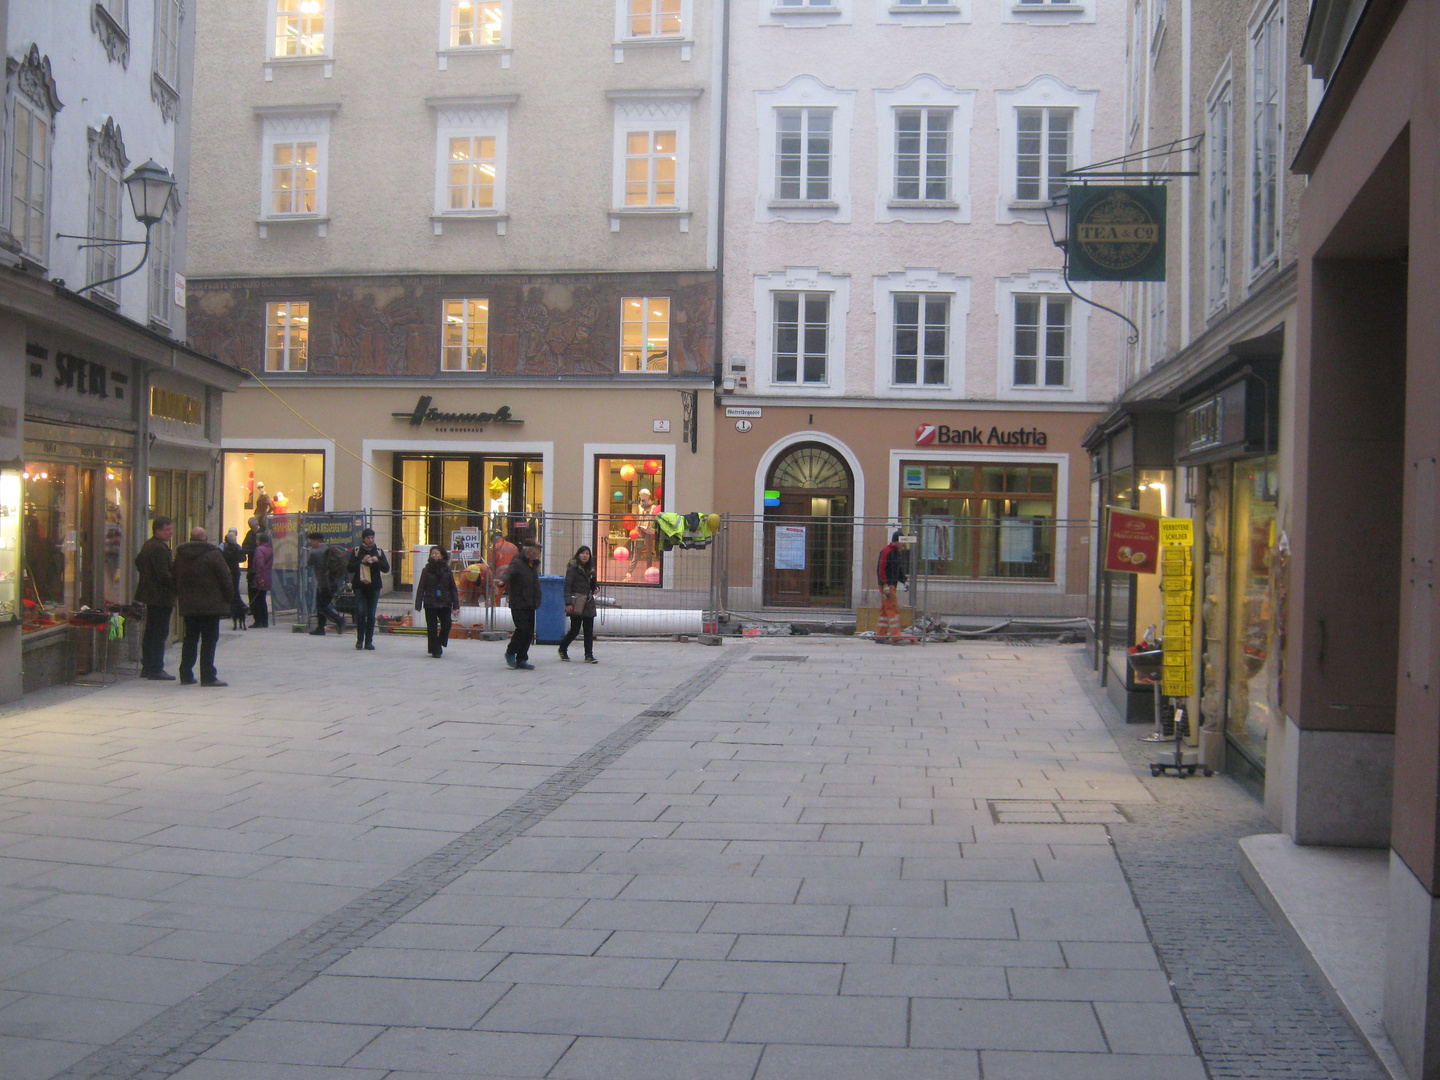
x=709, y=867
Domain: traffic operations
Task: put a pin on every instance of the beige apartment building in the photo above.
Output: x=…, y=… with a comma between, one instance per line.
x=467, y=250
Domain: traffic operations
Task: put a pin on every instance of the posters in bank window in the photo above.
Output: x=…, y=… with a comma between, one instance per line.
x=789, y=547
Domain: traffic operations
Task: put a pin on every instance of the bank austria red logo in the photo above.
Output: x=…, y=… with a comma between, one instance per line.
x=925, y=434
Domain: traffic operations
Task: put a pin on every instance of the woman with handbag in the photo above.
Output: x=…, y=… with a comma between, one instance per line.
x=436, y=593
x=580, y=602
x=368, y=567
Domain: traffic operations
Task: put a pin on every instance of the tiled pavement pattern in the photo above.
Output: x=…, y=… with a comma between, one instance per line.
x=380, y=867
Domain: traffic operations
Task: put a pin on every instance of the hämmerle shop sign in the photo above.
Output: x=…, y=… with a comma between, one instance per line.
x=425, y=413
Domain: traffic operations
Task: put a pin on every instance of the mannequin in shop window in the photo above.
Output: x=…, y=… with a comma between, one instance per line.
x=264, y=505
x=645, y=547
x=316, y=503
x=281, y=503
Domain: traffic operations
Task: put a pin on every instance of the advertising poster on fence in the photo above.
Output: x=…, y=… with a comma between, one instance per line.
x=1132, y=542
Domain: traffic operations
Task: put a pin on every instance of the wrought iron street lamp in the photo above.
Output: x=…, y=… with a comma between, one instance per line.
x=152, y=192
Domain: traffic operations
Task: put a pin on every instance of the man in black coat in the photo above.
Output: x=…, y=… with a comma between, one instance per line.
x=204, y=593
x=156, y=590
x=522, y=586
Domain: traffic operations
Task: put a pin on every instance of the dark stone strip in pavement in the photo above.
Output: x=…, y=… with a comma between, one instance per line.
x=1255, y=1010
x=174, y=1039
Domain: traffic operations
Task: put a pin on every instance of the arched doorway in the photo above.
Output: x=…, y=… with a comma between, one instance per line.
x=808, y=534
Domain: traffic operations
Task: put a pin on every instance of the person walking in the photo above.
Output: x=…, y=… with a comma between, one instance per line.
x=156, y=590
x=262, y=565
x=580, y=602
x=522, y=585
x=329, y=563
x=890, y=570
x=367, y=566
x=437, y=596
x=204, y=593
x=234, y=556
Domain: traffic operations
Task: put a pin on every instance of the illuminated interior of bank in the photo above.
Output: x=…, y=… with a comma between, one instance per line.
x=982, y=520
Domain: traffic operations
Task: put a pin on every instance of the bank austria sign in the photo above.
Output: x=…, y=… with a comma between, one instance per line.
x=944, y=435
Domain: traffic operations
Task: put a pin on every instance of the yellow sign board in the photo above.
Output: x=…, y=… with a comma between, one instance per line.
x=1177, y=532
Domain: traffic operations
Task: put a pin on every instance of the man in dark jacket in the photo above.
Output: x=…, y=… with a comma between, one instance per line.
x=522, y=585
x=890, y=570
x=156, y=590
x=367, y=567
x=329, y=563
x=204, y=593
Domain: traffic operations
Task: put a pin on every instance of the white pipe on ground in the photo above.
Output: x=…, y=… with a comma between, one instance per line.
x=620, y=622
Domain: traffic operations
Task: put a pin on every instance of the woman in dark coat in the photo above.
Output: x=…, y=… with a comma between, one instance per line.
x=368, y=567
x=580, y=602
x=234, y=556
x=437, y=596
x=262, y=562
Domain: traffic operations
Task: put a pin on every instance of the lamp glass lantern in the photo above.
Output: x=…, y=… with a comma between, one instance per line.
x=152, y=189
x=1057, y=219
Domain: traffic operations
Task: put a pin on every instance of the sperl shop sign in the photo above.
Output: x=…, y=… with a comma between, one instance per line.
x=944, y=435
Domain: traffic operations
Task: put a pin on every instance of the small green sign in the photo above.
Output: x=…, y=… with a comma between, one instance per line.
x=1117, y=233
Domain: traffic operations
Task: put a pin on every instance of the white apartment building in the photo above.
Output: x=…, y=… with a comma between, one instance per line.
x=106, y=416
x=468, y=249
x=899, y=340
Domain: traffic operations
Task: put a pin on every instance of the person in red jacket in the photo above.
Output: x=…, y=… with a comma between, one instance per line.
x=890, y=571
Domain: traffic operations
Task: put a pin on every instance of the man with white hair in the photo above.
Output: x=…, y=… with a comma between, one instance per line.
x=203, y=593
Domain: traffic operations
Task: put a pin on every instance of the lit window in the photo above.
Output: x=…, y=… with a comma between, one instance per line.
x=294, y=178
x=466, y=335
x=107, y=162
x=472, y=172
x=1042, y=340
x=803, y=151
x=654, y=18
x=802, y=337
x=30, y=179
x=922, y=334
x=475, y=22
x=300, y=28
x=1042, y=152
x=922, y=153
x=650, y=158
x=287, y=335
x=645, y=334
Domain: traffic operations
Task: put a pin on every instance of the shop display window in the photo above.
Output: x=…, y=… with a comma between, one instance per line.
x=292, y=484
x=986, y=521
x=10, y=494
x=118, y=529
x=629, y=492
x=1253, y=674
x=57, y=542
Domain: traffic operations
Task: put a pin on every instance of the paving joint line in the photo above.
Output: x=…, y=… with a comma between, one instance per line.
x=173, y=1040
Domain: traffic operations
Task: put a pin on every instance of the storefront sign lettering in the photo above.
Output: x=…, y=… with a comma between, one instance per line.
x=82, y=376
x=941, y=435
x=423, y=413
x=1117, y=233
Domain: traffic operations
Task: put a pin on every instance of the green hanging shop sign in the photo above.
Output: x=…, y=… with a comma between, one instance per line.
x=1117, y=233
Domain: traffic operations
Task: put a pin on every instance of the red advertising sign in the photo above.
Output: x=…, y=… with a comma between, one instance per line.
x=1132, y=542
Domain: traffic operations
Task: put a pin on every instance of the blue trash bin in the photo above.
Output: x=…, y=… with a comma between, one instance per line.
x=551, y=621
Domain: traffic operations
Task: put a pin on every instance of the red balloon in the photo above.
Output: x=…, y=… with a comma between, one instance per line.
x=651, y=466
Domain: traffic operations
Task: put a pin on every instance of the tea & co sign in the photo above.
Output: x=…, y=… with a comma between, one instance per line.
x=1117, y=233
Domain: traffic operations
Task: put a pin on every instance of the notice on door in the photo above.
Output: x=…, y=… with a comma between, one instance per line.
x=790, y=547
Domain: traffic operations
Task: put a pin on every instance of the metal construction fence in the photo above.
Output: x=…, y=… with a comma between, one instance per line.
x=970, y=573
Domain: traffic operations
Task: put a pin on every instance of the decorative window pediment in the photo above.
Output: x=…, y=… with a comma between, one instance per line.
x=108, y=145
x=34, y=79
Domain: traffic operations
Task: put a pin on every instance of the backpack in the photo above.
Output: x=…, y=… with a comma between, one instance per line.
x=336, y=565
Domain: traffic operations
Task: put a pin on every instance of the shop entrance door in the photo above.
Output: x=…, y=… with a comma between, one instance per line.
x=808, y=535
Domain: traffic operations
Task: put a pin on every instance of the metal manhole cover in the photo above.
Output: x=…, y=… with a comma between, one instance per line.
x=1055, y=812
x=777, y=658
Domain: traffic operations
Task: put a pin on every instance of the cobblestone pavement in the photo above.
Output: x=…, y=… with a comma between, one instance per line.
x=779, y=860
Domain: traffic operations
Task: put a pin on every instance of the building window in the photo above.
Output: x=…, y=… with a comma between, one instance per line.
x=107, y=163
x=475, y=22
x=299, y=28
x=1158, y=294
x=922, y=338
x=466, y=336
x=981, y=520
x=161, y=276
x=1044, y=139
x=30, y=179
x=629, y=493
x=645, y=334
x=1217, y=183
x=802, y=337
x=650, y=168
x=655, y=18
x=803, y=153
x=287, y=335
x=470, y=181
x=167, y=41
x=922, y=153
x=1138, y=67
x=294, y=177
x=1267, y=77
x=1042, y=340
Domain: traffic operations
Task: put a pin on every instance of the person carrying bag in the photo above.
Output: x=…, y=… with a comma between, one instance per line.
x=580, y=602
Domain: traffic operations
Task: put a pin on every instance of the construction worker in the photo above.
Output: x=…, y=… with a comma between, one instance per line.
x=890, y=570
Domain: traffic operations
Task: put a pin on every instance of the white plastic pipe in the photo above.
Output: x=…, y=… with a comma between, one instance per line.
x=622, y=622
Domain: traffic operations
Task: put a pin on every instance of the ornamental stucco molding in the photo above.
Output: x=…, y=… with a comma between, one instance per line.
x=112, y=35
x=35, y=80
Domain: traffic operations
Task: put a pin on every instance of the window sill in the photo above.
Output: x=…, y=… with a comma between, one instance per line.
x=1030, y=9
x=674, y=41
x=325, y=63
x=1032, y=389
x=802, y=204
x=922, y=204
x=1029, y=204
x=265, y=223
x=164, y=95
x=114, y=37
x=781, y=12
x=442, y=56
x=924, y=9
x=619, y=213
x=161, y=326
x=501, y=220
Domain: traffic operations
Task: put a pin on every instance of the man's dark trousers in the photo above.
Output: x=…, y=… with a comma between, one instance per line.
x=202, y=633
x=157, y=635
x=524, y=634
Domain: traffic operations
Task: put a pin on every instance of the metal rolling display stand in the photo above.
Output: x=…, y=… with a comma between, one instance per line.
x=1168, y=667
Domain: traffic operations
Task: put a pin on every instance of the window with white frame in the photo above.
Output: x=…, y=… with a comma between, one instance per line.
x=295, y=148
x=920, y=315
x=470, y=173
x=1138, y=67
x=294, y=177
x=921, y=340
x=1045, y=129
x=652, y=149
x=287, y=335
x=1217, y=192
x=923, y=153
x=167, y=41
x=107, y=167
x=1043, y=152
x=162, y=268
x=650, y=165
x=470, y=147
x=802, y=337
x=1157, y=24
x=654, y=18
x=1267, y=89
x=475, y=22
x=1042, y=340
x=1157, y=295
x=299, y=28
x=30, y=178
x=923, y=142
x=645, y=334
x=1047, y=12
x=804, y=154
x=465, y=341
